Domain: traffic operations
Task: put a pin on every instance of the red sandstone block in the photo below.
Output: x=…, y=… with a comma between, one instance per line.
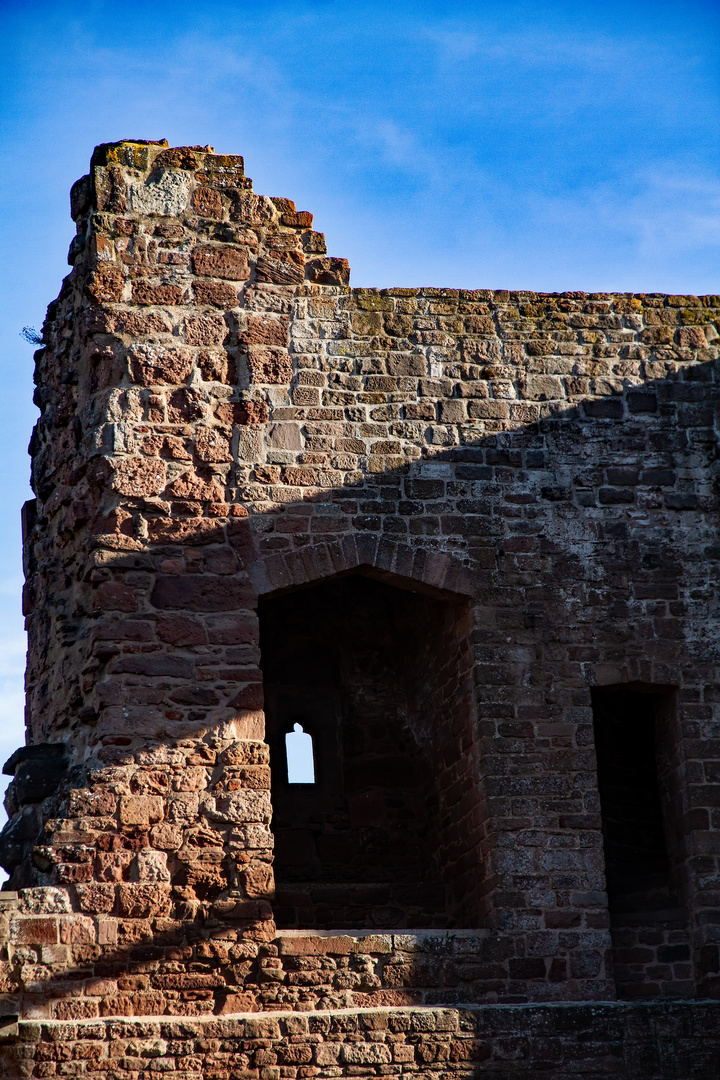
x=135, y=323
x=96, y=899
x=75, y=1010
x=197, y=592
x=221, y=261
x=191, y=531
x=268, y=366
x=77, y=930
x=249, y=412
x=152, y=364
x=262, y=1028
x=55, y=955
x=258, y=880
x=218, y=293
x=183, y=407
x=87, y=1051
x=143, y=901
x=282, y=268
x=196, y=486
x=111, y=865
x=205, y=330
x=238, y=1003
x=134, y=982
x=237, y=909
x=141, y=809
x=328, y=1053
x=106, y=284
x=265, y=331
x=329, y=271
x=144, y=292
x=112, y=596
x=265, y=1059
x=249, y=696
x=87, y=803
x=365, y=1054
x=138, y=477
x=246, y=753
x=310, y=945
x=254, y=777
x=243, y=807
x=189, y=981
x=207, y=202
x=180, y=630
x=292, y=1054
x=70, y=873
x=34, y=931
x=117, y=1005
x=299, y=477
x=213, y=446
x=403, y=1053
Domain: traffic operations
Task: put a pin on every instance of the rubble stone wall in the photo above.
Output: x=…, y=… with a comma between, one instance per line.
x=224, y=419
x=619, y=1042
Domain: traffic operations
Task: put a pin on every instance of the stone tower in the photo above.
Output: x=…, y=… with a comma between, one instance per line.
x=464, y=545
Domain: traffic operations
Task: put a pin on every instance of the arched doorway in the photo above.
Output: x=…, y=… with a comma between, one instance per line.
x=382, y=831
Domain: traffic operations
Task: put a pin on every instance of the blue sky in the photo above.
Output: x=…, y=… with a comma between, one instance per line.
x=537, y=145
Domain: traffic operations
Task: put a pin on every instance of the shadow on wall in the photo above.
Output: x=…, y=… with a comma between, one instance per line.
x=577, y=551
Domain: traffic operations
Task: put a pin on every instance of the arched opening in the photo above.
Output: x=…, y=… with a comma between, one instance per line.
x=377, y=677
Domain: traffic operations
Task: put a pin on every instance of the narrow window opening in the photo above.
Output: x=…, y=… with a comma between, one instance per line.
x=299, y=755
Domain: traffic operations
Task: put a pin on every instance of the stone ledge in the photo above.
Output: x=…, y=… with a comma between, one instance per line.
x=536, y=1010
x=9, y=1027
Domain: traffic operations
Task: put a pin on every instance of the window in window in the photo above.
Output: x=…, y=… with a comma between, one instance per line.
x=300, y=757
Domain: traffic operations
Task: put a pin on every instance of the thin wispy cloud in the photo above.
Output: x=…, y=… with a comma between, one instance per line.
x=661, y=215
x=677, y=213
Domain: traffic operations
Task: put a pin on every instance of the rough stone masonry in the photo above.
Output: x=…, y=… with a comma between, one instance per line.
x=465, y=542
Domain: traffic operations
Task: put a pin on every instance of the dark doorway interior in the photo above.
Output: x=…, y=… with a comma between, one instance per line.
x=383, y=835
x=638, y=779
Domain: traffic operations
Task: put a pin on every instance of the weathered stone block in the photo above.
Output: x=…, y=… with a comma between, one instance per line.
x=143, y=900
x=268, y=366
x=146, y=292
x=220, y=261
x=35, y=930
x=139, y=477
x=205, y=330
x=96, y=899
x=141, y=809
x=154, y=364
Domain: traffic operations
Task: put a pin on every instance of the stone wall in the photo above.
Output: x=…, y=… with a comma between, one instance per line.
x=657, y=1041
x=521, y=486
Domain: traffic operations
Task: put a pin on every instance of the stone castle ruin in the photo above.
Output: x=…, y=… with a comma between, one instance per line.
x=463, y=545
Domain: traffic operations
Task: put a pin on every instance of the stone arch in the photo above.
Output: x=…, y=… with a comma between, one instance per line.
x=436, y=571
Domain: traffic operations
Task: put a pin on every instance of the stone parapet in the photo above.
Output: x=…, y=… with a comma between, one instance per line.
x=512, y=1042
